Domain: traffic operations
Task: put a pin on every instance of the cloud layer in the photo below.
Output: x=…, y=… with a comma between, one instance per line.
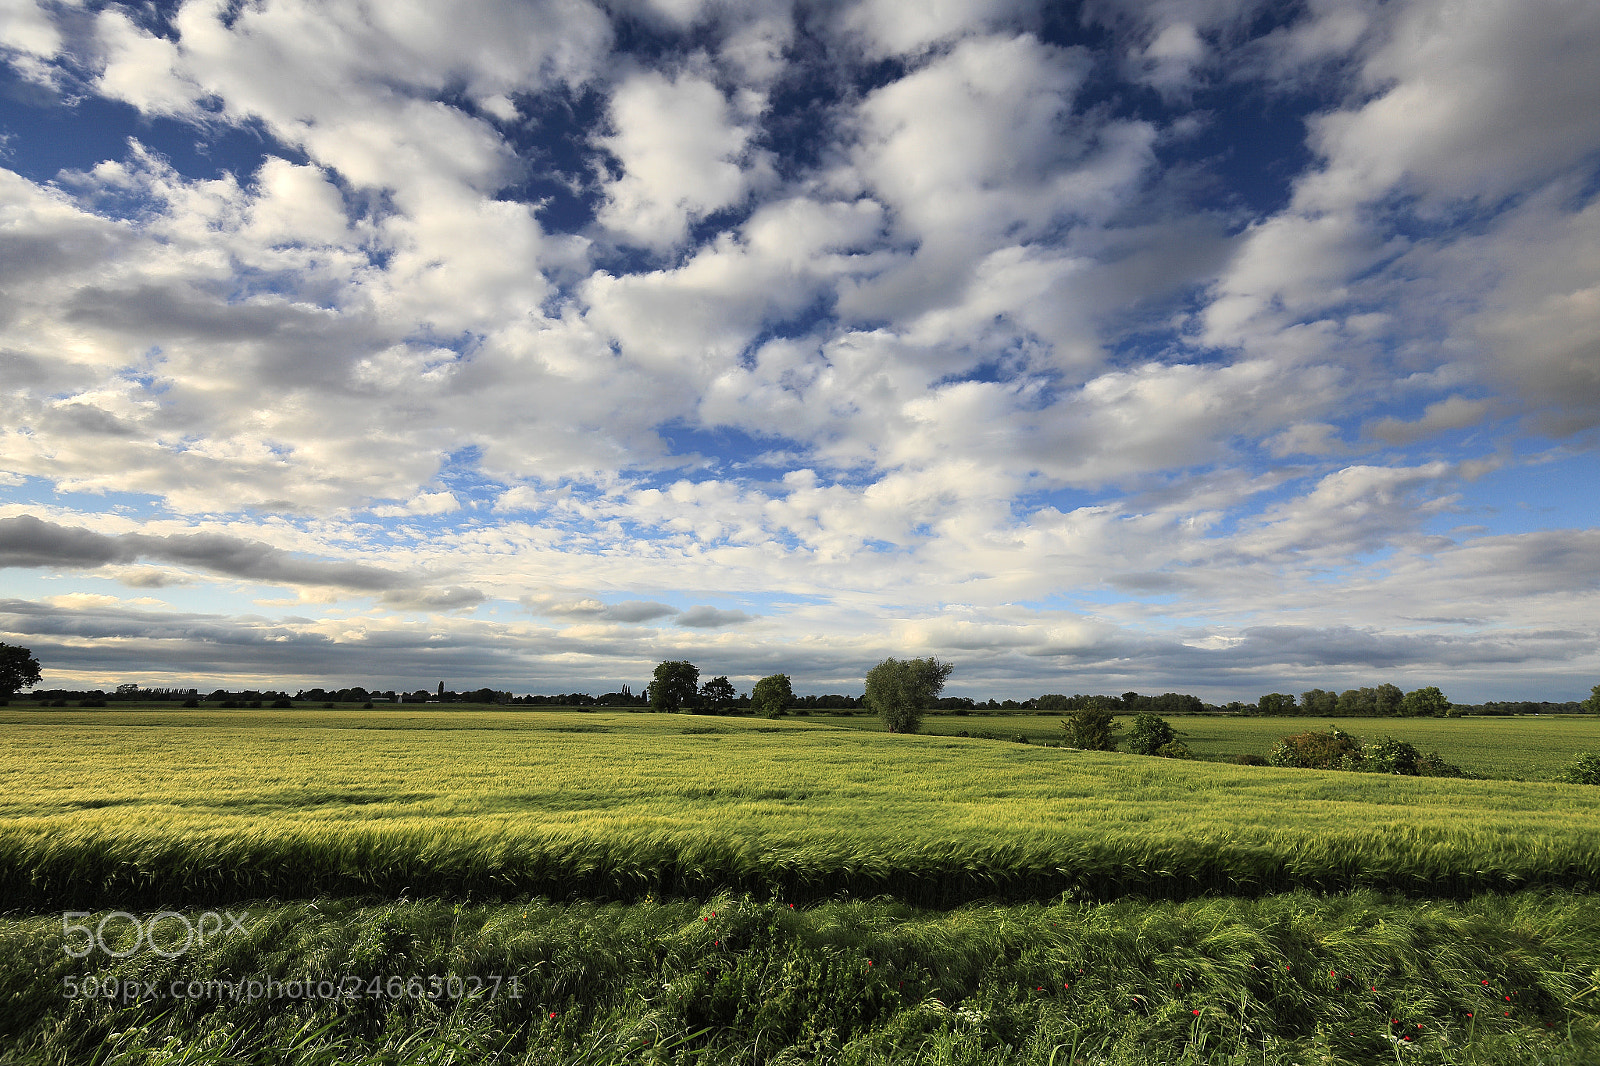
x=1216, y=346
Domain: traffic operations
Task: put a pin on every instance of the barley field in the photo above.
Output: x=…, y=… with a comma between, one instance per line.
x=678, y=889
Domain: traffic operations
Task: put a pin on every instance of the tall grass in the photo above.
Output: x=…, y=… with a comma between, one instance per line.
x=1288, y=979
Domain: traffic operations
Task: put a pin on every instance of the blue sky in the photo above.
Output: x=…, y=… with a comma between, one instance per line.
x=1203, y=345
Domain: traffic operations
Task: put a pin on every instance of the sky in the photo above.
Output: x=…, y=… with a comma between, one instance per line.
x=1212, y=346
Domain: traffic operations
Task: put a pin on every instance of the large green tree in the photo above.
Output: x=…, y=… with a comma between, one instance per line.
x=1426, y=702
x=1276, y=703
x=717, y=695
x=676, y=686
x=899, y=690
x=18, y=669
x=1092, y=728
x=1150, y=733
x=1592, y=704
x=772, y=695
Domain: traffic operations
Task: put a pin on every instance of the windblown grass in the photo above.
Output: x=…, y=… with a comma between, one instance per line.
x=1287, y=979
x=199, y=807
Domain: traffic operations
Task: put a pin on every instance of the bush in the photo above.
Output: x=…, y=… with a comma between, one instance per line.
x=1249, y=759
x=1433, y=765
x=1585, y=770
x=285, y=703
x=1150, y=733
x=1386, y=755
x=1092, y=729
x=1174, y=749
x=191, y=703
x=1315, y=750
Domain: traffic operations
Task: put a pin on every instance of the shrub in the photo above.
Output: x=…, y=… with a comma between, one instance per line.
x=285, y=703
x=1092, y=729
x=1150, y=733
x=1585, y=769
x=191, y=703
x=1174, y=749
x=1249, y=759
x=1315, y=750
x=1386, y=755
x=1433, y=765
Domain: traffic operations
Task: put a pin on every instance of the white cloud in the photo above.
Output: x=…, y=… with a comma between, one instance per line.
x=682, y=151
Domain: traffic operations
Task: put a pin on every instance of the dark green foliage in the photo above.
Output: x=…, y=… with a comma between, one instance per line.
x=717, y=695
x=1149, y=734
x=1425, y=702
x=1592, y=704
x=1092, y=729
x=675, y=687
x=1585, y=770
x=1289, y=979
x=18, y=669
x=898, y=691
x=1276, y=703
x=1319, y=703
x=1316, y=750
x=1249, y=759
x=772, y=696
x=1174, y=749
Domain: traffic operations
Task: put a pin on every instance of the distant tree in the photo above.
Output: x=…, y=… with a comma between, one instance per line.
x=1092, y=729
x=1319, y=702
x=1387, y=699
x=1275, y=703
x=1425, y=703
x=772, y=696
x=899, y=690
x=718, y=695
x=1358, y=701
x=675, y=687
x=1592, y=704
x=18, y=669
x=1149, y=734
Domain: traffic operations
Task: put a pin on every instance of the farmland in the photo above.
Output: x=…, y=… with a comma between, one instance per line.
x=678, y=888
x=1528, y=748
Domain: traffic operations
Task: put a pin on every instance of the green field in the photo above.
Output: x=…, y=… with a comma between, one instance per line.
x=1532, y=748
x=1293, y=913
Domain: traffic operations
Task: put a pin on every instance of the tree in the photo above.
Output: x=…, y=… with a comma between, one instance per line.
x=1425, y=703
x=718, y=695
x=676, y=686
x=1319, y=702
x=1150, y=733
x=1092, y=729
x=1388, y=699
x=1276, y=703
x=1592, y=704
x=18, y=669
x=899, y=690
x=772, y=696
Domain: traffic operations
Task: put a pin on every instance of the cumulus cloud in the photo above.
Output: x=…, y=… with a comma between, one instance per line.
x=1177, y=339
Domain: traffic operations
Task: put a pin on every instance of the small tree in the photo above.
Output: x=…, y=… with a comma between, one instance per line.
x=1149, y=734
x=899, y=690
x=1592, y=704
x=718, y=695
x=1092, y=729
x=18, y=670
x=675, y=687
x=772, y=696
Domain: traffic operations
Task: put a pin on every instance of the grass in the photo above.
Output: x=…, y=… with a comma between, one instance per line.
x=1526, y=747
x=169, y=807
x=1294, y=978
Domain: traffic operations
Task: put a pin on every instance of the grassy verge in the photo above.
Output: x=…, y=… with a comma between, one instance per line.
x=1287, y=979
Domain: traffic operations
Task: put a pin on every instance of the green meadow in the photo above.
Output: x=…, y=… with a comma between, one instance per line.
x=1532, y=747
x=673, y=888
